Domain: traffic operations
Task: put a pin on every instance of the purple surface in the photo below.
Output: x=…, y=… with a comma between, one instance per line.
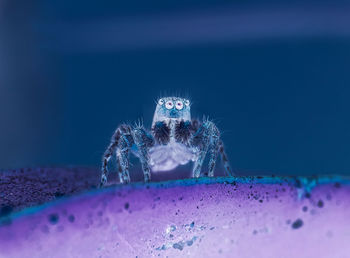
x=238, y=217
x=28, y=187
x=33, y=186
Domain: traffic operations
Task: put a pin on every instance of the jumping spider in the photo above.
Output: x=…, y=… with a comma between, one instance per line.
x=174, y=140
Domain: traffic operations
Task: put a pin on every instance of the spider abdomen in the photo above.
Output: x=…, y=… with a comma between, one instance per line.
x=168, y=157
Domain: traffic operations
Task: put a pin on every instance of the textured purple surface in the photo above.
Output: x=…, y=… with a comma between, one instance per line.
x=239, y=217
x=28, y=187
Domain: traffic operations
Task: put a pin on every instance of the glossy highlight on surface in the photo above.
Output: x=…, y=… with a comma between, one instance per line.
x=213, y=217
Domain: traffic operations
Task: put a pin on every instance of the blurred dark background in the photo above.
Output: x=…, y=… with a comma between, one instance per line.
x=273, y=75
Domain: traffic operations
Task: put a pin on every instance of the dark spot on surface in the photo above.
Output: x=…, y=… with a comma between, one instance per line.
x=189, y=242
x=255, y=232
x=53, y=218
x=297, y=224
x=59, y=194
x=305, y=209
x=159, y=248
x=192, y=224
x=320, y=204
x=179, y=245
x=260, y=201
x=126, y=205
x=337, y=185
x=5, y=210
x=307, y=195
x=71, y=218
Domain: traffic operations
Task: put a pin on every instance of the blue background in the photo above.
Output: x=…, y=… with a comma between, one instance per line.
x=273, y=76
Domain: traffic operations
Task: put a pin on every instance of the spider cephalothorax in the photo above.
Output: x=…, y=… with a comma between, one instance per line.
x=174, y=139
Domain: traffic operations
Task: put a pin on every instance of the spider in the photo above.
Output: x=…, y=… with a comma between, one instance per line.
x=174, y=139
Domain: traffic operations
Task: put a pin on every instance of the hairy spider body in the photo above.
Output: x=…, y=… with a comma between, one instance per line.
x=174, y=139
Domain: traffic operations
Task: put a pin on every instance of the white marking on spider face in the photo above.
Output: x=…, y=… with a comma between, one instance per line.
x=168, y=157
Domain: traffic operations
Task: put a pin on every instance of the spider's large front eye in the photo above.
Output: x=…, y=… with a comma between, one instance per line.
x=169, y=104
x=160, y=101
x=179, y=105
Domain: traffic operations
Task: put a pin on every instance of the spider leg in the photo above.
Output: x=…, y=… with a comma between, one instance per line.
x=120, y=143
x=107, y=156
x=196, y=172
x=207, y=140
x=202, y=139
x=143, y=141
x=224, y=159
x=123, y=165
x=213, y=155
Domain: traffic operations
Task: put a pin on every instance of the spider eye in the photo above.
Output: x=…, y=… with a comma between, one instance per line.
x=179, y=105
x=187, y=102
x=161, y=101
x=169, y=104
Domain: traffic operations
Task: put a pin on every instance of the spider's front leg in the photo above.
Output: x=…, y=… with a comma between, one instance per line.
x=121, y=143
x=143, y=141
x=207, y=140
